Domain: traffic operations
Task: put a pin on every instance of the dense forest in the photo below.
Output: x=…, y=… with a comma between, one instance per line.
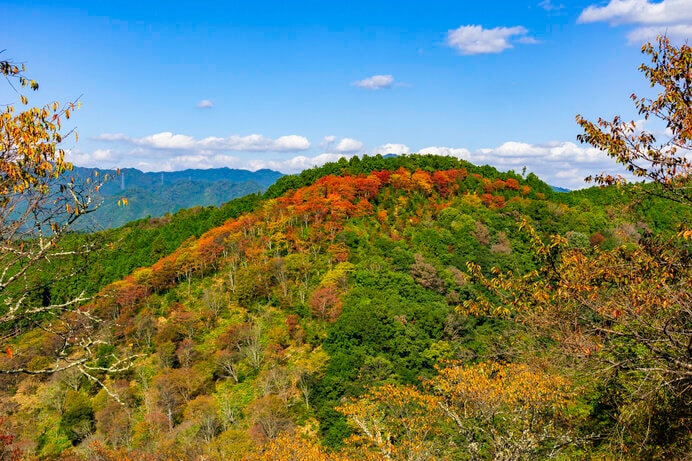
x=305, y=314
x=404, y=308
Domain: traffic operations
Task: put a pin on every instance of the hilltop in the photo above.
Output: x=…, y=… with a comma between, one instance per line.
x=328, y=314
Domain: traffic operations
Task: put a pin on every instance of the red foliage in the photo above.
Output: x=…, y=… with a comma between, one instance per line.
x=596, y=239
x=163, y=274
x=367, y=186
x=383, y=176
x=443, y=183
x=130, y=294
x=493, y=201
x=364, y=207
x=325, y=303
x=7, y=450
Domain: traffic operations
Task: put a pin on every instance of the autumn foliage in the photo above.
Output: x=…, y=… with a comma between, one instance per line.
x=405, y=308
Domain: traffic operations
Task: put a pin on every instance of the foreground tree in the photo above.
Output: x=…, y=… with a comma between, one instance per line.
x=665, y=162
x=395, y=422
x=39, y=203
x=623, y=315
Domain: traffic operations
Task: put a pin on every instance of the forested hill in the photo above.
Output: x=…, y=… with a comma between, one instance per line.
x=369, y=309
x=153, y=194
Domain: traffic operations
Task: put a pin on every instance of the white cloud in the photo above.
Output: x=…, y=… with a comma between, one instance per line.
x=672, y=18
x=97, y=158
x=678, y=32
x=385, y=149
x=558, y=163
x=290, y=143
x=349, y=145
x=166, y=140
x=295, y=164
x=376, y=82
x=562, y=164
x=461, y=153
x=475, y=39
x=250, y=143
x=639, y=12
x=205, y=104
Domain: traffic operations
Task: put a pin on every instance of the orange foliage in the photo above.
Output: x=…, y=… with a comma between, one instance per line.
x=512, y=184
x=396, y=422
x=401, y=179
x=422, y=181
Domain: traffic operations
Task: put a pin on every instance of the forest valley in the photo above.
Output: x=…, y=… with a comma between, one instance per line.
x=406, y=308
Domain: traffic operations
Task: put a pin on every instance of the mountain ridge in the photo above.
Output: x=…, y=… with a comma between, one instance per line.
x=154, y=194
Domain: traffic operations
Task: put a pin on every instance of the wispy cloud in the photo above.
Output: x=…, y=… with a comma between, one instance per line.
x=205, y=104
x=549, y=6
x=376, y=82
x=475, y=39
x=670, y=17
x=250, y=143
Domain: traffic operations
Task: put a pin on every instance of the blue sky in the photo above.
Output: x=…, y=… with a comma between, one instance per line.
x=287, y=85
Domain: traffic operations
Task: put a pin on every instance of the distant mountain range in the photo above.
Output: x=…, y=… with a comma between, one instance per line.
x=154, y=194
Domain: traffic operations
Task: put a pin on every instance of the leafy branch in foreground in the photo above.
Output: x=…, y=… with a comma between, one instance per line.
x=39, y=203
x=623, y=316
x=666, y=163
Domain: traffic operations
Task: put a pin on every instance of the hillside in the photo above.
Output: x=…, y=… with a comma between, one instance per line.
x=347, y=314
x=154, y=194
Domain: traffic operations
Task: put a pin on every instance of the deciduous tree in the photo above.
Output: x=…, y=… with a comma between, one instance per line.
x=623, y=314
x=40, y=200
x=665, y=162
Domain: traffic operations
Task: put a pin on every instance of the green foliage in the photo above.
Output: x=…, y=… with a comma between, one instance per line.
x=367, y=164
x=137, y=244
x=77, y=420
x=267, y=315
